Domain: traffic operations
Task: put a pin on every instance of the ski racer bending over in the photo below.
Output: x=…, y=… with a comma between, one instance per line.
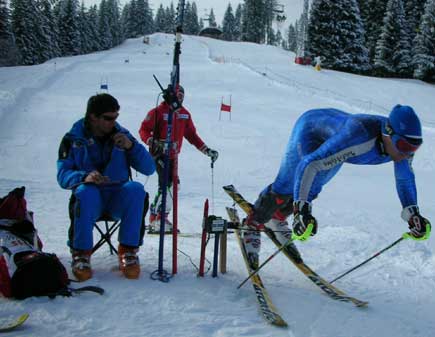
x=321, y=142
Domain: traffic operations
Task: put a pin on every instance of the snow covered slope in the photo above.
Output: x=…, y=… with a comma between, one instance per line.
x=358, y=211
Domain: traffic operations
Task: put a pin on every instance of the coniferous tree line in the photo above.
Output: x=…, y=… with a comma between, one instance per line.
x=394, y=38
x=383, y=38
x=34, y=31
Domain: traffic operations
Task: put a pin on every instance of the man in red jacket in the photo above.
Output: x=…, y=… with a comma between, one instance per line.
x=153, y=133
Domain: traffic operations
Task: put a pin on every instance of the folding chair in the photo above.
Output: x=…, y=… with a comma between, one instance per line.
x=108, y=227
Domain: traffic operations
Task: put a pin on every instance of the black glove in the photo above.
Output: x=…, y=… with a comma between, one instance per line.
x=419, y=226
x=213, y=154
x=302, y=218
x=156, y=147
x=171, y=98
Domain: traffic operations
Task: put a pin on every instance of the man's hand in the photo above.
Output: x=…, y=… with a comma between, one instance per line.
x=213, y=154
x=302, y=219
x=122, y=141
x=156, y=145
x=95, y=177
x=419, y=226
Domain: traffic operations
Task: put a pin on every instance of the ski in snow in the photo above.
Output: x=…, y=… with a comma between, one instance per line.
x=9, y=325
x=267, y=308
x=327, y=287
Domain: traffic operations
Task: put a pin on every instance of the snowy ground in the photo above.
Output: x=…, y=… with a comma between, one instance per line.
x=358, y=211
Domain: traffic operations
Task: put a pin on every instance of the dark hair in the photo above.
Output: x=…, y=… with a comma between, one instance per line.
x=101, y=103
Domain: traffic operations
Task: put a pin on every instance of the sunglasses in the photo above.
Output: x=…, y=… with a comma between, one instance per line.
x=109, y=118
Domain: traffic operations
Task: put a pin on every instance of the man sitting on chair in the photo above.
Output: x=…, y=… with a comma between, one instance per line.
x=95, y=157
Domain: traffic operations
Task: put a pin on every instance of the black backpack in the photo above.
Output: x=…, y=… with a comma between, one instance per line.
x=25, y=269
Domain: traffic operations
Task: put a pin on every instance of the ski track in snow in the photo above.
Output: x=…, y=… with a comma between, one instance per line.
x=358, y=211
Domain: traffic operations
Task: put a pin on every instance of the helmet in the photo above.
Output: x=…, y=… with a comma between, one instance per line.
x=404, y=122
x=180, y=88
x=404, y=127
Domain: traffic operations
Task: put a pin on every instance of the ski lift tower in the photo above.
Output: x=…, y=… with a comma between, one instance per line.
x=207, y=17
x=211, y=30
x=278, y=16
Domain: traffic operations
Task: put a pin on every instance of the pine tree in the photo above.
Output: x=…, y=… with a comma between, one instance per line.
x=191, y=25
x=85, y=30
x=228, y=24
x=291, y=38
x=212, y=19
x=49, y=30
x=372, y=13
x=67, y=20
x=125, y=20
x=302, y=34
x=113, y=17
x=194, y=19
x=170, y=19
x=238, y=23
x=160, y=20
x=143, y=18
x=393, y=47
x=424, y=58
x=8, y=50
x=94, y=36
x=253, y=24
x=104, y=26
x=24, y=28
x=278, y=38
x=414, y=10
x=268, y=16
x=336, y=33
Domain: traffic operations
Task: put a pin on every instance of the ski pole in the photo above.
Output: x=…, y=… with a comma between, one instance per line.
x=212, y=185
x=371, y=258
x=264, y=263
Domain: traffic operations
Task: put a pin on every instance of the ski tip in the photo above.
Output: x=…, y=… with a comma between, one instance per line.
x=15, y=324
x=362, y=304
x=23, y=318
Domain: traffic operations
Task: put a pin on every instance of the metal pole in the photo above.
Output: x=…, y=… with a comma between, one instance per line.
x=371, y=258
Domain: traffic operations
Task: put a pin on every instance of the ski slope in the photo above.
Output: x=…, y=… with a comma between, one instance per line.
x=358, y=211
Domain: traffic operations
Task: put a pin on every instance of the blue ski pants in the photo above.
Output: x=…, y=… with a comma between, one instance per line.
x=122, y=201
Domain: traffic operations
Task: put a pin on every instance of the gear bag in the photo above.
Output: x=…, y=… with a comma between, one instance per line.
x=25, y=270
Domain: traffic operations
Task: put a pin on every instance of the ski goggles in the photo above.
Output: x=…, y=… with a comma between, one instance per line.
x=402, y=143
x=406, y=144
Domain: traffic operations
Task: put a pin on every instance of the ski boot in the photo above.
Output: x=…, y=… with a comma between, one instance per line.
x=81, y=264
x=281, y=231
x=154, y=227
x=129, y=261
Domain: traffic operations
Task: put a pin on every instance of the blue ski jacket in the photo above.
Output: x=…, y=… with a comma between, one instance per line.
x=80, y=153
x=323, y=140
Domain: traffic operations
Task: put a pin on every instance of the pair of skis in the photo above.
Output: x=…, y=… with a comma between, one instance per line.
x=266, y=306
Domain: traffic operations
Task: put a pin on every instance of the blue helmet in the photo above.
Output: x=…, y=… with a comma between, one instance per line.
x=404, y=122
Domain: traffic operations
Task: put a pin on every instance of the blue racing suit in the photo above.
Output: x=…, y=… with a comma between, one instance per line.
x=79, y=154
x=323, y=140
